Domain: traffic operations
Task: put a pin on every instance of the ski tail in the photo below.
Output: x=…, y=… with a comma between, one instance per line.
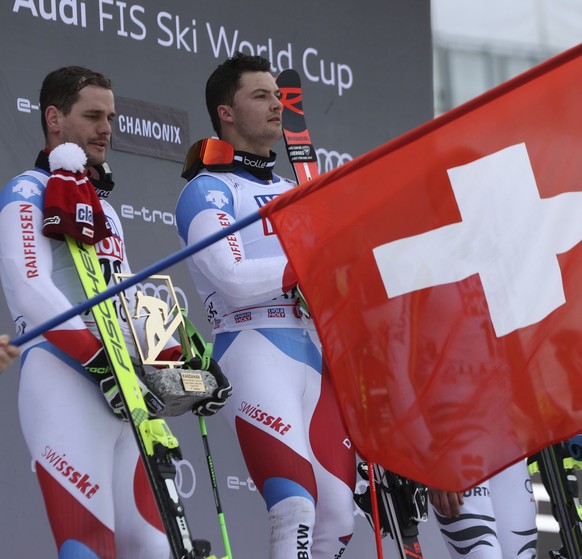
x=300, y=150
x=557, y=469
x=402, y=505
x=158, y=447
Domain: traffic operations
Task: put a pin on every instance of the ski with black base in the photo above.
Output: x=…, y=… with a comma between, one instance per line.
x=557, y=469
x=300, y=150
x=403, y=503
x=158, y=447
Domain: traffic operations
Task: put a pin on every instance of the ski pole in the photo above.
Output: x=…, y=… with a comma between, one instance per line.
x=221, y=520
x=192, y=339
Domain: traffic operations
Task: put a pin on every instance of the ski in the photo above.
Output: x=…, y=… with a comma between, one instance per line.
x=557, y=469
x=403, y=503
x=302, y=154
x=158, y=447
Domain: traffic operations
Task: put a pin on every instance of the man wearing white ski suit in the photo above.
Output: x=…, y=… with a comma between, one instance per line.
x=94, y=485
x=283, y=408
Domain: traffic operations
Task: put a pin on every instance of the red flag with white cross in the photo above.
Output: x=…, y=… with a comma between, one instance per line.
x=444, y=274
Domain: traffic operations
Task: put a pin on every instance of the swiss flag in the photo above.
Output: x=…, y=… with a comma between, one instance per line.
x=444, y=274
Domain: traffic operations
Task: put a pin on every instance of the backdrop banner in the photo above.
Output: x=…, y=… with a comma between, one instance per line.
x=358, y=94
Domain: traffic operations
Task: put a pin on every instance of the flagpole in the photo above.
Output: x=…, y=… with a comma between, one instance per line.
x=151, y=270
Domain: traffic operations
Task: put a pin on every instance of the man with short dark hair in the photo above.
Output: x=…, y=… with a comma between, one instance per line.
x=95, y=488
x=283, y=408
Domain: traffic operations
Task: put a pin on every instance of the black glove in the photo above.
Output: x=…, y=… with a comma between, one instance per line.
x=98, y=365
x=100, y=371
x=209, y=406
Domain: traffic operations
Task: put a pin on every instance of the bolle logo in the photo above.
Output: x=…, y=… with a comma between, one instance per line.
x=328, y=160
x=254, y=163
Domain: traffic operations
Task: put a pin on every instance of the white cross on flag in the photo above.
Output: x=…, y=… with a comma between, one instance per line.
x=444, y=274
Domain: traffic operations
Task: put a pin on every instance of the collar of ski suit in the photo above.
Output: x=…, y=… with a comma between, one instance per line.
x=258, y=166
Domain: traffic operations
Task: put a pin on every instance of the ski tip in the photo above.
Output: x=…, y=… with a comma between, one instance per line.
x=288, y=78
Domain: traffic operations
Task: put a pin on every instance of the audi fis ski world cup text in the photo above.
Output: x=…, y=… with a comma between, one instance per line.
x=130, y=21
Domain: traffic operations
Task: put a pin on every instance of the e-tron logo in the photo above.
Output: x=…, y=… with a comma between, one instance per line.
x=25, y=105
x=146, y=214
x=328, y=160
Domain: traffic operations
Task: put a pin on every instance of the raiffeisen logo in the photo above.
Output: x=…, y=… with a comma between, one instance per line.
x=148, y=215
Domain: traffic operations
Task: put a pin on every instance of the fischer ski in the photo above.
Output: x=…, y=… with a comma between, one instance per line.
x=157, y=446
x=557, y=468
x=403, y=503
